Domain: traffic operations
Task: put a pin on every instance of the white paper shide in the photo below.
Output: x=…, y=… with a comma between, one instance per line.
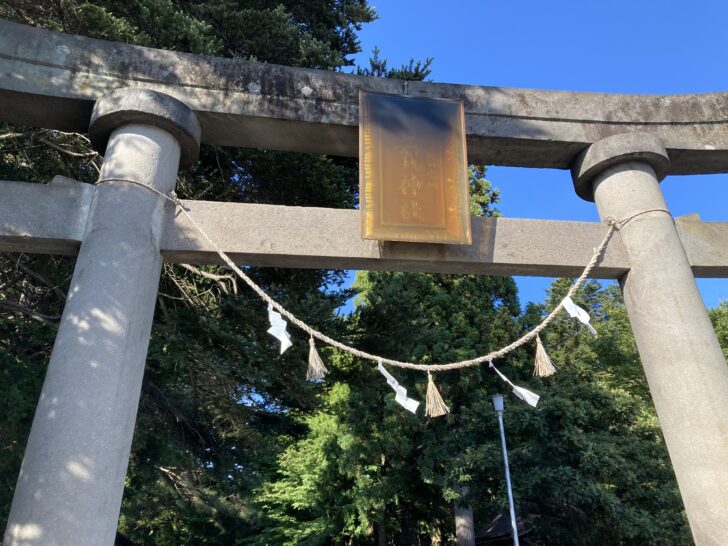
x=400, y=392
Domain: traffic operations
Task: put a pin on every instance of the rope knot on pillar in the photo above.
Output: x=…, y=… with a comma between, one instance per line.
x=615, y=223
x=175, y=199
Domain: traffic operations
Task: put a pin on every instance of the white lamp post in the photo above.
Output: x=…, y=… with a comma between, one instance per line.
x=498, y=405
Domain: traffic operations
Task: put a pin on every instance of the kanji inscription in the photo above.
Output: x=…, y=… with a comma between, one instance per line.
x=413, y=169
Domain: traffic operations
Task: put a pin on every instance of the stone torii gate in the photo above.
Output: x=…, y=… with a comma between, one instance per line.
x=148, y=110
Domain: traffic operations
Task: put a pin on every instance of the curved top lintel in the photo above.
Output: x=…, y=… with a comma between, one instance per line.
x=52, y=80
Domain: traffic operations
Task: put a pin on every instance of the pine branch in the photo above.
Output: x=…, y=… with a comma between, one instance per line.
x=43, y=280
x=7, y=136
x=204, y=439
x=11, y=306
x=64, y=150
x=219, y=279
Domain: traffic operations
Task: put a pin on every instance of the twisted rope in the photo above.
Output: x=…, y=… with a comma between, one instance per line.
x=613, y=224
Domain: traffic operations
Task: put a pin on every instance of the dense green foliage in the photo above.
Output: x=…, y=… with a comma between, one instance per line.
x=314, y=33
x=214, y=383
x=232, y=446
x=589, y=464
x=719, y=316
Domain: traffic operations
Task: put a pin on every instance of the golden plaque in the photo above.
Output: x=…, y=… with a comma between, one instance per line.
x=413, y=176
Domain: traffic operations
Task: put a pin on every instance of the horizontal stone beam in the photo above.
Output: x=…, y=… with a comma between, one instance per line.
x=49, y=79
x=40, y=218
x=307, y=237
x=44, y=219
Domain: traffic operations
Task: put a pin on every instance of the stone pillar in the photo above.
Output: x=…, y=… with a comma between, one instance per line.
x=72, y=479
x=683, y=362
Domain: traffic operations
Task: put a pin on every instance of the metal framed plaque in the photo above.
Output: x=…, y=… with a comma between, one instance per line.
x=413, y=176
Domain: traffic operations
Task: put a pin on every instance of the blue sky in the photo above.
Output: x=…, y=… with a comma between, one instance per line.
x=638, y=46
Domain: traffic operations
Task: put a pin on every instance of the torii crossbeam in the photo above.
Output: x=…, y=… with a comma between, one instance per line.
x=148, y=110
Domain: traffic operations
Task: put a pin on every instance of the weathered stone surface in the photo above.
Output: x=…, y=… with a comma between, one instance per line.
x=706, y=246
x=70, y=487
x=51, y=219
x=615, y=149
x=683, y=361
x=44, y=219
x=71, y=482
x=49, y=79
x=269, y=235
x=125, y=106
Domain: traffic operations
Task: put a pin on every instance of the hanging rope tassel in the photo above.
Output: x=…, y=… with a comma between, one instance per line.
x=316, y=368
x=543, y=366
x=434, y=404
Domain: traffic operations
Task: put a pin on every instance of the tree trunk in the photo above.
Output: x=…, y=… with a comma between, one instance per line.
x=381, y=534
x=436, y=537
x=464, y=523
x=381, y=527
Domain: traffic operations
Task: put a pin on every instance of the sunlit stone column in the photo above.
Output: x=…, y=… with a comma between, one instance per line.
x=683, y=362
x=72, y=479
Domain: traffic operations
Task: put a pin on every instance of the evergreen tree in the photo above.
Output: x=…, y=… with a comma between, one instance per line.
x=233, y=447
x=589, y=464
x=719, y=316
x=393, y=474
x=218, y=404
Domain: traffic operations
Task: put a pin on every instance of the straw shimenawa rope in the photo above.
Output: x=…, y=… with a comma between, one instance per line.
x=526, y=338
